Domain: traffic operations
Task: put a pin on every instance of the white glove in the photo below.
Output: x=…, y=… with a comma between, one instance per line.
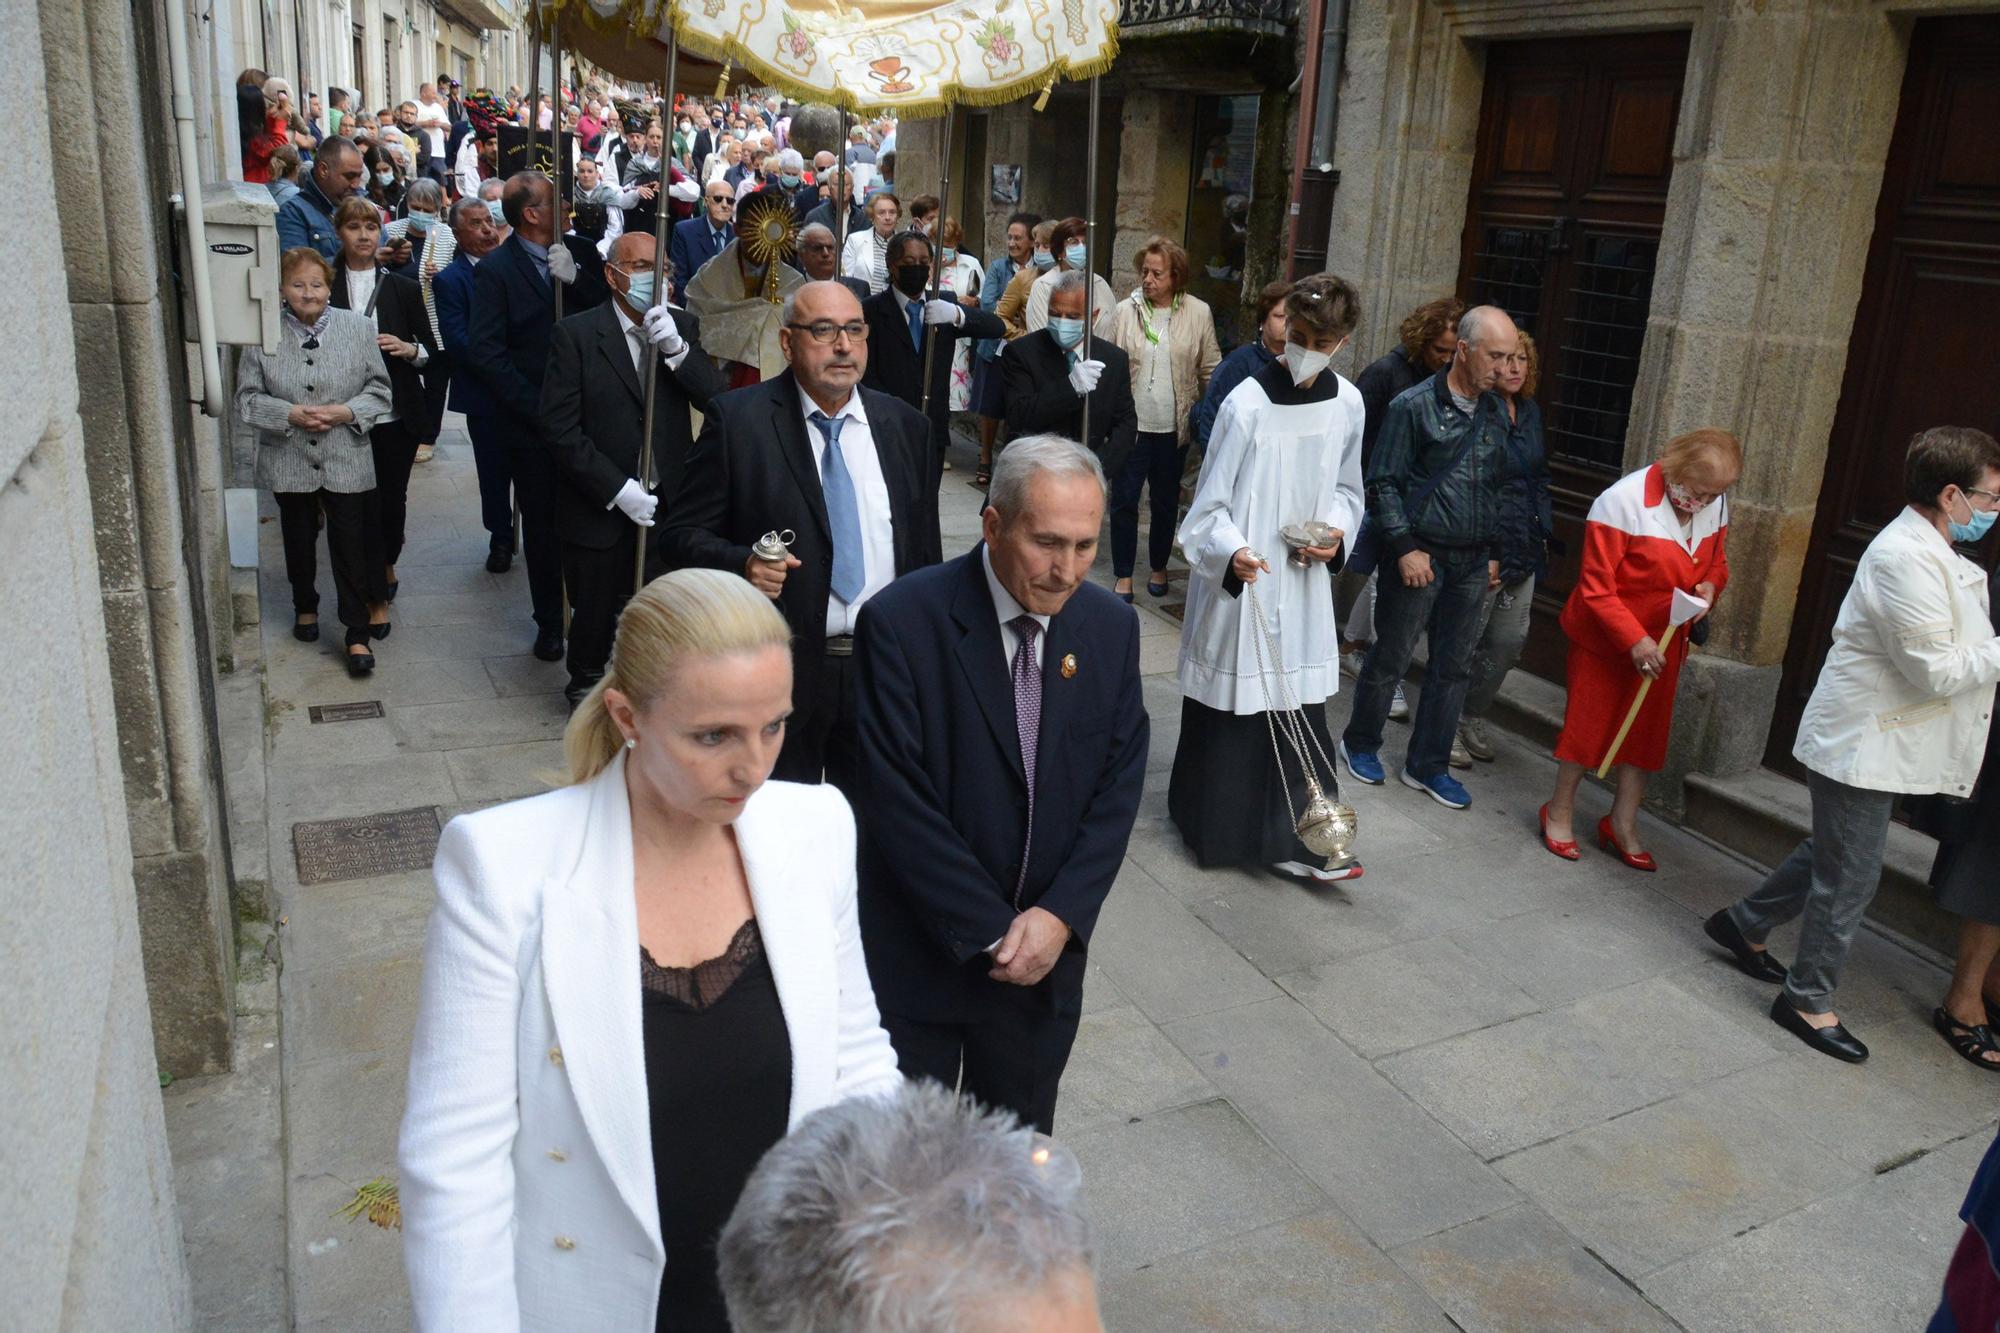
x=684, y=190
x=1083, y=376
x=637, y=502
x=661, y=331
x=943, y=312
x=562, y=264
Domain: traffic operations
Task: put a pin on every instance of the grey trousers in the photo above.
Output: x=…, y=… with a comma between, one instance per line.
x=1831, y=877
x=1504, y=620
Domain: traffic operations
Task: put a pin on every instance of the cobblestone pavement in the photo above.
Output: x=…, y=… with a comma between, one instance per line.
x=1478, y=1088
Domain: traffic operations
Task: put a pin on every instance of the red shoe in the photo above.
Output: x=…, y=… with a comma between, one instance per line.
x=1566, y=850
x=1609, y=842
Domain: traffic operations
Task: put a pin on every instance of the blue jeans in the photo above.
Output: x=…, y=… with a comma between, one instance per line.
x=1448, y=606
x=1155, y=463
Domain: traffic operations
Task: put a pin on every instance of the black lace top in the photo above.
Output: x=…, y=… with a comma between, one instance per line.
x=719, y=1084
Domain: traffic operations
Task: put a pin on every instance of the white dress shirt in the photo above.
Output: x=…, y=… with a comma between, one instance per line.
x=1005, y=607
x=871, y=495
x=361, y=291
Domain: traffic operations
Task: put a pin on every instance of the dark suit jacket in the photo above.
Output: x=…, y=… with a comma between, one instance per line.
x=946, y=817
x=399, y=309
x=689, y=247
x=753, y=470
x=1035, y=382
x=857, y=220
x=451, y=288
x=513, y=316
x=593, y=416
x=896, y=365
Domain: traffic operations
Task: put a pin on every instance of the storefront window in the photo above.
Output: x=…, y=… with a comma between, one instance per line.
x=1225, y=141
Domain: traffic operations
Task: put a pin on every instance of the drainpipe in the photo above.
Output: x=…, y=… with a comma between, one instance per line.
x=1319, y=93
x=181, y=75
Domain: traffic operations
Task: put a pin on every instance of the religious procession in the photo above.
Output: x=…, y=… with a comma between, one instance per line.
x=1116, y=664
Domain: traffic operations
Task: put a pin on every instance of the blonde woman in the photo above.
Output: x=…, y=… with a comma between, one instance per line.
x=633, y=986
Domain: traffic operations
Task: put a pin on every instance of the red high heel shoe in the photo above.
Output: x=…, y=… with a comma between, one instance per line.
x=1609, y=842
x=1566, y=850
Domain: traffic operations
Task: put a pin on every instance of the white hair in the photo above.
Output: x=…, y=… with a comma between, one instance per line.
x=789, y=160
x=1022, y=460
x=909, y=1213
x=1476, y=323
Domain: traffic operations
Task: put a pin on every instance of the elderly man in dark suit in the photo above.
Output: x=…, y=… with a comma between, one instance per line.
x=843, y=467
x=901, y=321
x=1046, y=374
x=699, y=239
x=473, y=230
x=593, y=415
x=1003, y=750
x=513, y=316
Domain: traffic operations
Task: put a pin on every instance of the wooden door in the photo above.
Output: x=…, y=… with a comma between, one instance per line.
x=1921, y=351
x=1562, y=230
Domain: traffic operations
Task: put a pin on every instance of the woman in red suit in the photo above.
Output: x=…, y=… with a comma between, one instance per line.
x=1654, y=530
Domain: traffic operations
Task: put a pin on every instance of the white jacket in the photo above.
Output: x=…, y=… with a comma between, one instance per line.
x=526, y=1160
x=1906, y=696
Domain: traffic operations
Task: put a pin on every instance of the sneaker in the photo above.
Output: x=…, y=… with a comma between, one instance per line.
x=1361, y=765
x=1315, y=874
x=1350, y=663
x=1473, y=738
x=1399, y=707
x=1460, y=757
x=1445, y=789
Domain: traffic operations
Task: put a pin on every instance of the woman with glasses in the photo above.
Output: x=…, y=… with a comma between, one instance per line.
x=1652, y=533
x=1902, y=707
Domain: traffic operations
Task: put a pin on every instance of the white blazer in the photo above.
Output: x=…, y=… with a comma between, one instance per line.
x=526, y=1159
x=857, y=260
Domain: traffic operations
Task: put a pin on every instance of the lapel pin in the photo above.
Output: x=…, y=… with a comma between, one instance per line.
x=1068, y=665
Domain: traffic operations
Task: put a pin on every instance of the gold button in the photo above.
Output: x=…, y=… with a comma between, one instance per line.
x=565, y=1243
x=555, y=1055
x=558, y=1155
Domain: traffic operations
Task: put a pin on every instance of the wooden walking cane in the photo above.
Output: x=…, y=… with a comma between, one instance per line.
x=1685, y=608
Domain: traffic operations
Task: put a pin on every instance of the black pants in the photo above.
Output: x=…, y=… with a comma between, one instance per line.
x=437, y=388
x=1154, y=465
x=822, y=743
x=394, y=445
x=496, y=481
x=535, y=480
x=600, y=583
x=1012, y=1059
x=348, y=523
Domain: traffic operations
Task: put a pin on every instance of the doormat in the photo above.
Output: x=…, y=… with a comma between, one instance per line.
x=386, y=844
x=354, y=712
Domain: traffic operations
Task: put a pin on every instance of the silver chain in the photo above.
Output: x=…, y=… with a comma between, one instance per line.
x=1283, y=714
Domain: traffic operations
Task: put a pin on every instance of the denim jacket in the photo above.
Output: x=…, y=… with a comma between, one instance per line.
x=1421, y=433
x=1527, y=521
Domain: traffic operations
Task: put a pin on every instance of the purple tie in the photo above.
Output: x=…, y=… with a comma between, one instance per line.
x=1027, y=725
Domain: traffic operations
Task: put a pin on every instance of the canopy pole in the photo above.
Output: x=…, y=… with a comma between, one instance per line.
x=1090, y=247
x=555, y=138
x=662, y=219
x=534, y=109
x=937, y=268
x=844, y=180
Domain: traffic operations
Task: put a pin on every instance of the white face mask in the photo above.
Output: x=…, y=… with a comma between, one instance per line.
x=1304, y=363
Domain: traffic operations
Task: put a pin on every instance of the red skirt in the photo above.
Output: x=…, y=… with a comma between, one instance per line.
x=1600, y=691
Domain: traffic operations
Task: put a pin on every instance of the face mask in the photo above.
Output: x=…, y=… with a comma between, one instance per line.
x=950, y=255
x=386, y=177
x=1073, y=254
x=1043, y=259
x=1683, y=499
x=1974, y=528
x=640, y=292
x=1304, y=363
x=910, y=279
x=1068, y=332
x=421, y=222
x=789, y=180
x=498, y=214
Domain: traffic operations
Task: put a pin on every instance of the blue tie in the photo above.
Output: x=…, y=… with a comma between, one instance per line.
x=843, y=512
x=917, y=325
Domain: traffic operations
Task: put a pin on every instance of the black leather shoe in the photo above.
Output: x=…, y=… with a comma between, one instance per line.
x=499, y=561
x=306, y=633
x=549, y=645
x=1835, y=1041
x=1757, y=964
x=579, y=686
x=360, y=664
x=380, y=631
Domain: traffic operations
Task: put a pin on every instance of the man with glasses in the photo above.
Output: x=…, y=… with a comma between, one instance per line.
x=845, y=469
x=700, y=239
x=817, y=256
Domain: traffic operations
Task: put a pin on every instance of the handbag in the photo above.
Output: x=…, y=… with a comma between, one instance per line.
x=1365, y=554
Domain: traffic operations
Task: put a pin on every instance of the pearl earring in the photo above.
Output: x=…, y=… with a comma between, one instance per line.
x=632, y=742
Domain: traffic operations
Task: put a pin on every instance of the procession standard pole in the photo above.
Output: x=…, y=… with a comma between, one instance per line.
x=555, y=137
x=662, y=219
x=1090, y=247
x=534, y=109
x=844, y=179
x=937, y=267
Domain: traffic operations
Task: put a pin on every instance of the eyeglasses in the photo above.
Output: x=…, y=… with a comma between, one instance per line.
x=721, y=199
x=825, y=332
x=1984, y=495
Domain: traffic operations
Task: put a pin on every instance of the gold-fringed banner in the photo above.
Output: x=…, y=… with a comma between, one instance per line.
x=906, y=57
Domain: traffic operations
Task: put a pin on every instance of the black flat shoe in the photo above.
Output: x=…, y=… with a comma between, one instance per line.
x=1757, y=964
x=1973, y=1042
x=360, y=664
x=305, y=633
x=499, y=562
x=1835, y=1041
x=1155, y=589
x=549, y=645
x=380, y=631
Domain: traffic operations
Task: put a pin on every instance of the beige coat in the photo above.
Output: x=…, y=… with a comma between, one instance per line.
x=1190, y=343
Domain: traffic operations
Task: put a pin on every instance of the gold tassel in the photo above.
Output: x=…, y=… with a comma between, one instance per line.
x=1042, y=102
x=722, y=84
